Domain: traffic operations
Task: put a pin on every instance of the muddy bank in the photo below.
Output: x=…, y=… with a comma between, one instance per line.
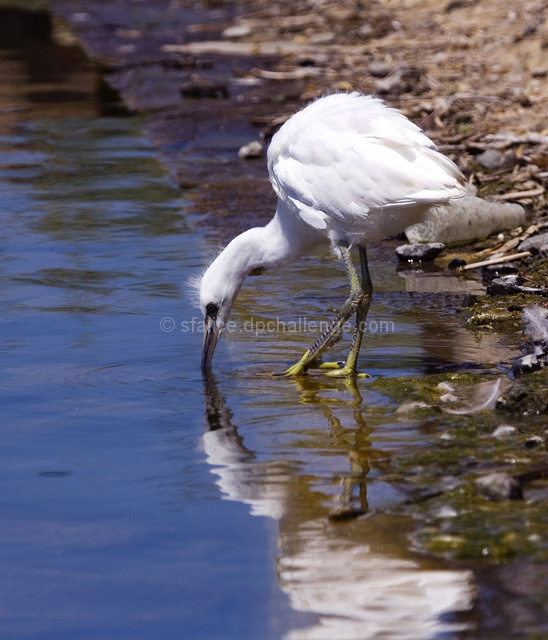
x=213, y=77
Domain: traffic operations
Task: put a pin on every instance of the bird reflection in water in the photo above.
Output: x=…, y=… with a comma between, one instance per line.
x=358, y=577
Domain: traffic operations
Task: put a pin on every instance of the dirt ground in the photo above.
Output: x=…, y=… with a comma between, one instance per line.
x=472, y=74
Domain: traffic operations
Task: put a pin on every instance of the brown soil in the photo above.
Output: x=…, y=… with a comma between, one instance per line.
x=473, y=74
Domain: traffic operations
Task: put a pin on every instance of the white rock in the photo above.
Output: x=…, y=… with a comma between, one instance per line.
x=469, y=218
x=237, y=31
x=504, y=431
x=253, y=149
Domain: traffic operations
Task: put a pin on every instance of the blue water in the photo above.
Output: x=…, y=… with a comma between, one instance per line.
x=111, y=524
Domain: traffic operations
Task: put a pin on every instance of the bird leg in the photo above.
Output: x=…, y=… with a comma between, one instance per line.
x=358, y=303
x=366, y=290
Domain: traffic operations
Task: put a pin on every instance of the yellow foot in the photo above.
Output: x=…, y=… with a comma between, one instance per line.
x=297, y=369
x=346, y=372
x=331, y=365
x=334, y=369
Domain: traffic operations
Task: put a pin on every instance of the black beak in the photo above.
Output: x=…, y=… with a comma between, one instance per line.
x=211, y=337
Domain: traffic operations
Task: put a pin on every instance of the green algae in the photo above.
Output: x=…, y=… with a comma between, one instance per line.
x=458, y=523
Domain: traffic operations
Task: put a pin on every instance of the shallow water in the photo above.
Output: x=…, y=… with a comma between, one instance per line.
x=126, y=512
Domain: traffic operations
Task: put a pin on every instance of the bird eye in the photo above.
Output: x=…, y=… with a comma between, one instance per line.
x=212, y=310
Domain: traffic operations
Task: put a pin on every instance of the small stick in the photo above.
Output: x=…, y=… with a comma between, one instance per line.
x=485, y=263
x=520, y=195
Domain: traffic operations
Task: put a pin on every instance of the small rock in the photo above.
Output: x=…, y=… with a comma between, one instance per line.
x=526, y=364
x=327, y=37
x=534, y=242
x=498, y=487
x=534, y=441
x=445, y=386
x=422, y=252
x=251, y=150
x=505, y=286
x=448, y=397
x=407, y=407
x=365, y=31
x=456, y=263
x=237, y=31
x=467, y=219
x=379, y=69
x=508, y=285
x=504, y=431
x=495, y=159
x=494, y=270
x=446, y=512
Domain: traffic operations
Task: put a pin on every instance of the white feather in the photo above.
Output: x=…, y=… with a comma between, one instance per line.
x=536, y=323
x=346, y=159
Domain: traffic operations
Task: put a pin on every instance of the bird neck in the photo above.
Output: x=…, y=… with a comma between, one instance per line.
x=282, y=241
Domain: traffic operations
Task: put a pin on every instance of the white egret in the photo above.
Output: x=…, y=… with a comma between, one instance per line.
x=347, y=170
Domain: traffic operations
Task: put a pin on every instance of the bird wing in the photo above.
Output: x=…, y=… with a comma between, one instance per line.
x=340, y=160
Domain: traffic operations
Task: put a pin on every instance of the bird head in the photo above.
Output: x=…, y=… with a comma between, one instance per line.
x=216, y=300
x=219, y=287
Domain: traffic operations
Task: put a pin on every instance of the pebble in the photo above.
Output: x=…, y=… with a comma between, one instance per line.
x=251, y=150
x=456, y=263
x=498, y=487
x=505, y=285
x=526, y=364
x=492, y=271
x=534, y=441
x=495, y=159
x=534, y=242
x=379, y=69
x=508, y=285
x=445, y=386
x=237, y=31
x=448, y=397
x=504, y=431
x=467, y=219
x=419, y=252
x=327, y=37
x=365, y=31
x=407, y=407
x=447, y=512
